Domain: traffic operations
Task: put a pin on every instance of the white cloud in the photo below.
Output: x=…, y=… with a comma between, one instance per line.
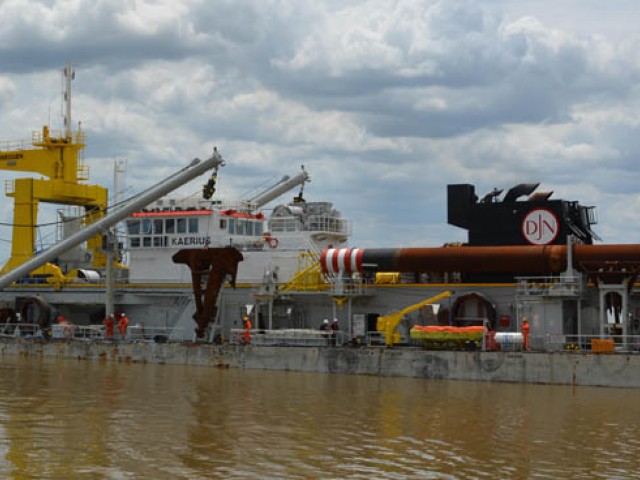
x=7, y=89
x=385, y=102
x=152, y=18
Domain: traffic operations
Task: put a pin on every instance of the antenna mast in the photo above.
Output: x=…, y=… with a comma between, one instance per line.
x=69, y=75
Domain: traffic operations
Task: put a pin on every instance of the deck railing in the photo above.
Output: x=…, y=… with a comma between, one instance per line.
x=607, y=344
x=557, y=343
x=532, y=287
x=288, y=337
x=93, y=333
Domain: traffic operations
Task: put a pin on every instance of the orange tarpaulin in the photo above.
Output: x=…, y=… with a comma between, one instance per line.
x=437, y=328
x=447, y=334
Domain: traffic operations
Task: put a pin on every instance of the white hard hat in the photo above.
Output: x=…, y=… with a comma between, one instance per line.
x=326, y=320
x=335, y=319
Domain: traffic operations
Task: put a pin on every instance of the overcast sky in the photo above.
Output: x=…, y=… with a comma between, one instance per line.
x=384, y=102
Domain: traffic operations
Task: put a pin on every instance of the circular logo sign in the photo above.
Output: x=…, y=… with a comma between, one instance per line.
x=540, y=226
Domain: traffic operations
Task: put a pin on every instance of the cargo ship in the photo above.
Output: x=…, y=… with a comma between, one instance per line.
x=190, y=270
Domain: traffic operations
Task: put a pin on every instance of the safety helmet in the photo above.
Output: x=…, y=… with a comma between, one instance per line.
x=326, y=320
x=335, y=319
x=122, y=314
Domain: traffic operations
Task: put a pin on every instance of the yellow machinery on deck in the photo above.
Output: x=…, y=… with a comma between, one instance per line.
x=389, y=323
x=57, y=158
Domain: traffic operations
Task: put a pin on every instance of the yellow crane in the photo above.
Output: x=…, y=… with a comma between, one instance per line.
x=388, y=323
x=56, y=158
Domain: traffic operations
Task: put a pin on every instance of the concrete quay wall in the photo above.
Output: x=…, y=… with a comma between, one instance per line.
x=613, y=370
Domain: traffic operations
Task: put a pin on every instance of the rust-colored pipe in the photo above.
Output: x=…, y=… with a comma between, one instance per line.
x=525, y=259
x=602, y=253
x=498, y=259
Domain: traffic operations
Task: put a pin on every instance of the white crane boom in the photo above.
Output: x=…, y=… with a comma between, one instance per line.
x=283, y=186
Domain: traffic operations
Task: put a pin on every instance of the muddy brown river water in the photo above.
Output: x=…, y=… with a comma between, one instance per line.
x=76, y=419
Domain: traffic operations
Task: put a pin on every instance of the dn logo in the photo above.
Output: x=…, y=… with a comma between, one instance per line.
x=540, y=227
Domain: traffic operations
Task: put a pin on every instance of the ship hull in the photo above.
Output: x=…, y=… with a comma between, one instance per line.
x=515, y=367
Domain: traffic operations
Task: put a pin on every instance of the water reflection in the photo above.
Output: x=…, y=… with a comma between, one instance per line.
x=71, y=419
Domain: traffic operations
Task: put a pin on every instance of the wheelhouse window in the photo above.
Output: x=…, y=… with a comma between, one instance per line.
x=151, y=232
x=133, y=227
x=242, y=226
x=240, y=223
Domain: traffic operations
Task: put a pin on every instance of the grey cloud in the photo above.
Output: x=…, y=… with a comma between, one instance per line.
x=94, y=34
x=514, y=75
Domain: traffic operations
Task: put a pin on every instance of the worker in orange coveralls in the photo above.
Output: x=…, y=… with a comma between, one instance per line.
x=246, y=324
x=525, y=332
x=109, y=324
x=123, y=322
x=67, y=329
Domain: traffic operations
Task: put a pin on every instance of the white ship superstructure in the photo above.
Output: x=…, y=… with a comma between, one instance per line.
x=273, y=245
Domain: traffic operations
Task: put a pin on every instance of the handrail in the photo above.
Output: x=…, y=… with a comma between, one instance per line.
x=555, y=286
x=301, y=337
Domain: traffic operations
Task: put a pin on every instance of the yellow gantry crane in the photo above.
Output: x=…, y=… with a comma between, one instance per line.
x=56, y=158
x=387, y=324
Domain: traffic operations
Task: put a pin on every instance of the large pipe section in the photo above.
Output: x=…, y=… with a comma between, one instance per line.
x=531, y=259
x=196, y=168
x=283, y=186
